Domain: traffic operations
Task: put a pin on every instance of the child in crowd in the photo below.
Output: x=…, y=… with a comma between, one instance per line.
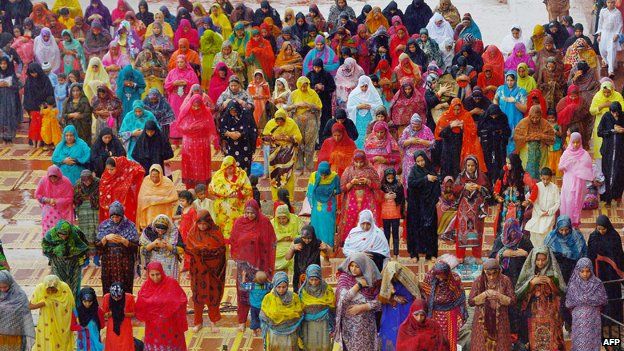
x=283, y=198
x=65, y=19
x=202, y=202
x=60, y=92
x=257, y=289
x=555, y=150
x=254, y=188
x=446, y=207
x=545, y=199
x=186, y=215
x=51, y=133
x=392, y=207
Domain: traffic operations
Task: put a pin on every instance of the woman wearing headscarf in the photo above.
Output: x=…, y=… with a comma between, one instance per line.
x=288, y=64
x=72, y=54
x=338, y=149
x=439, y=28
x=567, y=245
x=161, y=242
x=408, y=69
x=144, y=15
x=117, y=243
x=46, y=50
x=107, y=109
x=152, y=148
x=66, y=248
x=610, y=129
x=16, y=323
x=161, y=305
x=321, y=51
x=168, y=17
x=97, y=11
x=231, y=189
x=510, y=40
x=376, y=19
x=128, y=39
x=86, y=202
x=118, y=307
x=177, y=85
x=492, y=56
x=260, y=92
x=183, y=49
x=156, y=196
x=238, y=131
x=219, y=81
x=367, y=238
x=356, y=303
x=458, y=133
x=72, y=154
x=286, y=226
x=165, y=27
x=323, y=187
x=206, y=247
x=114, y=60
x=211, y=44
x=95, y=76
x=281, y=316
x=283, y=135
x=423, y=191
x=415, y=137
x=399, y=288
x=120, y=181
x=119, y=12
x=576, y=165
x=153, y=65
x=573, y=112
x=533, y=136
x=449, y=12
x=106, y=145
x=97, y=40
x=586, y=297
x=512, y=101
x=156, y=103
x=518, y=56
x=259, y=55
x=382, y=151
x=492, y=293
x=40, y=14
x=87, y=321
x=581, y=51
x=55, y=195
x=37, y=89
x=600, y=104
x=605, y=242
x=472, y=188
x=419, y=333
x=130, y=87
x=281, y=93
x=253, y=248
x=220, y=19
x=346, y=80
x=232, y=59
x=494, y=133
x=159, y=41
x=361, y=102
x=359, y=184
x=55, y=300
x=318, y=304
x=407, y=101
x=133, y=125
x=77, y=113
x=446, y=301
x=538, y=291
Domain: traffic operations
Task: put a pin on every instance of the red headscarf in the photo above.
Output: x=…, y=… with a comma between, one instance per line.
x=426, y=336
x=343, y=149
x=536, y=93
x=483, y=82
x=197, y=123
x=122, y=186
x=396, y=41
x=570, y=105
x=164, y=300
x=470, y=142
x=253, y=241
x=493, y=57
x=217, y=84
x=191, y=35
x=384, y=70
x=262, y=51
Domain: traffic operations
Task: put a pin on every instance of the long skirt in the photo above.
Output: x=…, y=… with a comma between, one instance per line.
x=315, y=335
x=282, y=161
x=277, y=342
x=88, y=220
x=68, y=270
x=323, y=219
x=450, y=322
x=118, y=264
x=361, y=123
x=355, y=201
x=196, y=161
x=12, y=343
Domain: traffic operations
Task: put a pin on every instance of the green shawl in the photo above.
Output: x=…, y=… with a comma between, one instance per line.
x=74, y=246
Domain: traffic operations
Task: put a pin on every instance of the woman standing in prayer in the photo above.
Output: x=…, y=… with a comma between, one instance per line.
x=231, y=189
x=238, y=131
x=306, y=107
x=420, y=333
x=610, y=130
x=573, y=112
x=446, y=301
x=117, y=242
x=585, y=298
x=17, y=330
x=337, y=150
x=567, y=245
x=288, y=64
x=284, y=136
x=472, y=188
x=114, y=60
x=196, y=125
x=97, y=11
x=133, y=124
x=399, y=287
x=86, y=203
x=493, y=131
x=72, y=154
x=37, y=89
x=87, y=321
x=178, y=85
x=259, y=55
x=491, y=294
x=77, y=112
x=533, y=136
x=66, y=248
x=367, y=238
x=55, y=194
x=121, y=182
x=161, y=305
x=286, y=226
x=153, y=65
x=605, y=241
x=325, y=53
x=130, y=87
x=219, y=81
x=261, y=93
x=157, y=196
x=406, y=102
x=211, y=44
x=281, y=316
x=538, y=291
x=97, y=40
x=356, y=303
x=415, y=137
x=319, y=309
x=253, y=248
x=55, y=301
x=105, y=106
x=512, y=101
x=346, y=80
x=576, y=165
x=423, y=192
x=72, y=54
x=47, y=50
x=382, y=151
x=10, y=105
x=152, y=148
x=118, y=308
x=359, y=184
x=600, y=104
x=157, y=104
x=206, y=247
x=457, y=131
x=161, y=242
x=362, y=101
x=281, y=93
x=323, y=188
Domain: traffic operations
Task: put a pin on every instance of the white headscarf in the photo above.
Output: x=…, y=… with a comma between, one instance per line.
x=508, y=43
x=373, y=240
x=441, y=33
x=47, y=51
x=357, y=97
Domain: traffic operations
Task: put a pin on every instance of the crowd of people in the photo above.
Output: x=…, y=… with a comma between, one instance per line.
x=409, y=128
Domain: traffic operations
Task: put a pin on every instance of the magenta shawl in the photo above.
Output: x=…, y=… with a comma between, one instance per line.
x=63, y=194
x=512, y=62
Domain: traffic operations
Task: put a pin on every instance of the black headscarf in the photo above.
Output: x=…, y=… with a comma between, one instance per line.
x=418, y=57
x=100, y=151
x=608, y=245
x=85, y=315
x=560, y=36
x=417, y=16
x=117, y=307
x=392, y=10
x=472, y=58
x=426, y=189
x=150, y=150
x=365, y=10
x=147, y=18
x=309, y=253
x=300, y=31
x=36, y=89
x=394, y=187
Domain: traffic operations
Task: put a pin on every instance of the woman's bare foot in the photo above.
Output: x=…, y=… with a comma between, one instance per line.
x=197, y=328
x=257, y=332
x=242, y=327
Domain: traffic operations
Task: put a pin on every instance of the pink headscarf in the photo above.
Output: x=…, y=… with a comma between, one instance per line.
x=512, y=62
x=62, y=191
x=217, y=84
x=191, y=34
x=576, y=160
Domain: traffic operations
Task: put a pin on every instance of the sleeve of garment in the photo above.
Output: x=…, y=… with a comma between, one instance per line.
x=75, y=326
x=604, y=129
x=594, y=108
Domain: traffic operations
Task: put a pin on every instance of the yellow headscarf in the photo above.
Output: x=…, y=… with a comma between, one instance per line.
x=596, y=110
x=101, y=75
x=166, y=27
x=309, y=96
x=373, y=24
x=55, y=315
x=289, y=128
x=539, y=34
x=222, y=187
x=527, y=83
x=155, y=198
x=221, y=20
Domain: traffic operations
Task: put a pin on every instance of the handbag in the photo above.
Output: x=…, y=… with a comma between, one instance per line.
x=110, y=121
